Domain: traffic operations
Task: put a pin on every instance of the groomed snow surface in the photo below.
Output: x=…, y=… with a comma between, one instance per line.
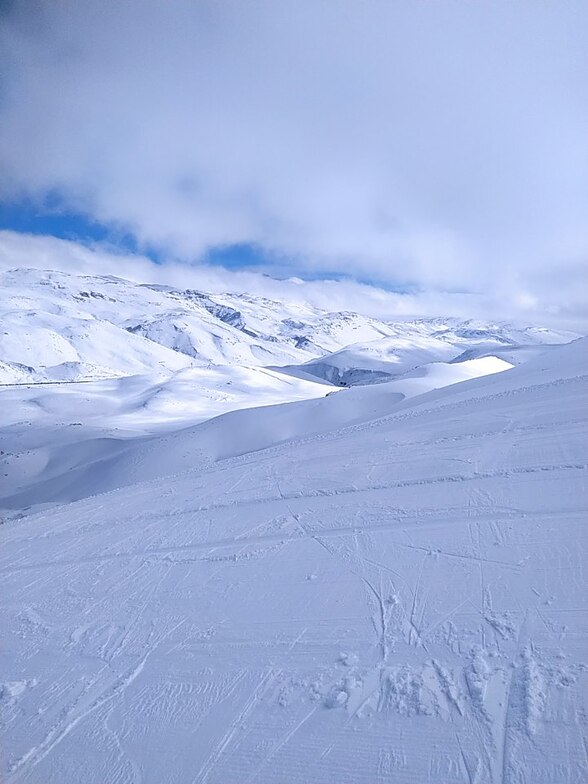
x=381, y=584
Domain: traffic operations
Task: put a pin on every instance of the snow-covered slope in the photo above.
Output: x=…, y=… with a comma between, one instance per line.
x=415, y=344
x=153, y=359
x=399, y=599
x=63, y=327
x=118, y=439
x=61, y=442
x=57, y=326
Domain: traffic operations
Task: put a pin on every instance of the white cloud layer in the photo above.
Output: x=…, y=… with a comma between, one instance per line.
x=439, y=143
x=50, y=253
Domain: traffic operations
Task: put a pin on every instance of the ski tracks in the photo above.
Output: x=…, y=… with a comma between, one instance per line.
x=235, y=726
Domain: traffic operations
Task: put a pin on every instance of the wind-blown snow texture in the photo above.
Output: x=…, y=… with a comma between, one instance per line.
x=374, y=586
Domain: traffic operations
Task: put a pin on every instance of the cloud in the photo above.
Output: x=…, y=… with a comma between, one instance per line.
x=50, y=253
x=440, y=144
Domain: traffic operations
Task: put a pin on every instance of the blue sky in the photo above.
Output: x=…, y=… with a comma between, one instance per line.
x=437, y=146
x=51, y=219
x=24, y=216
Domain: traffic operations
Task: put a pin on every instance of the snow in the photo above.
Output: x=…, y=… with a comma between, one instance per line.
x=63, y=327
x=381, y=584
x=96, y=368
x=112, y=442
x=107, y=327
x=46, y=449
x=418, y=343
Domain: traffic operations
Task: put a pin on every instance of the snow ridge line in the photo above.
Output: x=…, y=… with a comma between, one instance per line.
x=416, y=408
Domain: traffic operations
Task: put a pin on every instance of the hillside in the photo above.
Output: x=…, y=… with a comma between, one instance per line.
x=63, y=327
x=394, y=594
x=57, y=326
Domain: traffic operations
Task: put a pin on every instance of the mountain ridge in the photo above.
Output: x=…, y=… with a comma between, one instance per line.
x=63, y=327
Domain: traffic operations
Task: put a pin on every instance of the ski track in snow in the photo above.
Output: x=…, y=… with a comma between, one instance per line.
x=402, y=600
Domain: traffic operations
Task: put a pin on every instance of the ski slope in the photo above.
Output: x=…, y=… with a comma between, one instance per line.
x=60, y=441
x=394, y=593
x=131, y=429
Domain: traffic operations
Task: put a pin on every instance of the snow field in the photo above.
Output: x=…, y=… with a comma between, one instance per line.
x=393, y=593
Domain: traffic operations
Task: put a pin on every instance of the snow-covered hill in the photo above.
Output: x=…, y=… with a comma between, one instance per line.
x=122, y=430
x=57, y=326
x=63, y=327
x=415, y=344
x=99, y=362
x=358, y=589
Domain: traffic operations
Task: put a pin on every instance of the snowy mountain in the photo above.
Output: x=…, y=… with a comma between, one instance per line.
x=57, y=326
x=63, y=327
x=153, y=359
x=366, y=587
x=415, y=344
